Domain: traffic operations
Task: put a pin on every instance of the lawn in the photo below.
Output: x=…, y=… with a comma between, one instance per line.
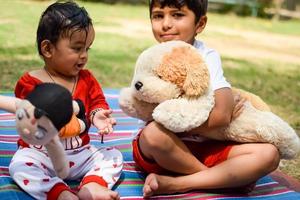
x=258, y=55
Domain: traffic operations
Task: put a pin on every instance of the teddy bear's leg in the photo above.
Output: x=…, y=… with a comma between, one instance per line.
x=257, y=126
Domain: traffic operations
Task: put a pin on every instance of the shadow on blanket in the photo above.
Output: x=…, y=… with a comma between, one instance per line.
x=277, y=186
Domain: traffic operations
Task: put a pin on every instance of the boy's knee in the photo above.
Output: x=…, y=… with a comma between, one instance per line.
x=270, y=155
x=154, y=136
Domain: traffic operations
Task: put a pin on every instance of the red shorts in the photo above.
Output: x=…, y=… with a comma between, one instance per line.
x=212, y=152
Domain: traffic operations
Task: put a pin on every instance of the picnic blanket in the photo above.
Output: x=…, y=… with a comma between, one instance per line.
x=131, y=182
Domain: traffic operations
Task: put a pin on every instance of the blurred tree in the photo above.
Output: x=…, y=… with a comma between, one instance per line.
x=278, y=6
x=241, y=7
x=291, y=5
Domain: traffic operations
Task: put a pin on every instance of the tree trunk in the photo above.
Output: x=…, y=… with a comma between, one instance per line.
x=278, y=6
x=291, y=5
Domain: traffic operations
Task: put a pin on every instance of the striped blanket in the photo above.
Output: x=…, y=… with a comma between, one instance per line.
x=131, y=181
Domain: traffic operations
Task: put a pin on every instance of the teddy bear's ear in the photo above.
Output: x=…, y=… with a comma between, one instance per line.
x=197, y=76
x=184, y=67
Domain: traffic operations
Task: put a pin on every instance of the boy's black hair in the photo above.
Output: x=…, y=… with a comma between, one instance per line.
x=59, y=19
x=199, y=7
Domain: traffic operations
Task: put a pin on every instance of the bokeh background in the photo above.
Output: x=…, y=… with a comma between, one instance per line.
x=259, y=41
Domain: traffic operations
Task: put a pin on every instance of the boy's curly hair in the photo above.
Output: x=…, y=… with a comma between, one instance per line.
x=198, y=7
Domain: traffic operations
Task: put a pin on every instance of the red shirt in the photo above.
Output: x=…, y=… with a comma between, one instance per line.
x=88, y=90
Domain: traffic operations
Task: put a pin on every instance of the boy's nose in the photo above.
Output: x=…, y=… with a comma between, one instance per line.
x=167, y=23
x=84, y=55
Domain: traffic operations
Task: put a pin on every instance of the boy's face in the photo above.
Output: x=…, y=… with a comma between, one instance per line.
x=171, y=23
x=70, y=54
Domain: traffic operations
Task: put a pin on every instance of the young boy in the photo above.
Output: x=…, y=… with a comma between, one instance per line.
x=197, y=163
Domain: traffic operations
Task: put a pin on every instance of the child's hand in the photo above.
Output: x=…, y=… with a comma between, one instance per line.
x=238, y=106
x=103, y=122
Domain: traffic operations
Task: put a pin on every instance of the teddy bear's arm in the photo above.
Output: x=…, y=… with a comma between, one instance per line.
x=181, y=115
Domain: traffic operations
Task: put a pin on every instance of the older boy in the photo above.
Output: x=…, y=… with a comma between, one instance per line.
x=197, y=164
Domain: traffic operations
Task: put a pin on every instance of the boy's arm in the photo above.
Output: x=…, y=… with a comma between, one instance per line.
x=221, y=113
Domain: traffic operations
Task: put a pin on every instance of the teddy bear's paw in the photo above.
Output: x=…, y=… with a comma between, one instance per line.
x=180, y=115
x=287, y=141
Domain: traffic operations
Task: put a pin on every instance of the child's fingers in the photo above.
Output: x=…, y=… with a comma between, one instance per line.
x=103, y=131
x=236, y=98
x=239, y=105
x=106, y=130
x=238, y=108
x=112, y=121
x=110, y=129
x=238, y=112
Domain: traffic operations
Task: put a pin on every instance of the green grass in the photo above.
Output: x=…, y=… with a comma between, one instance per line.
x=256, y=24
x=122, y=32
x=280, y=89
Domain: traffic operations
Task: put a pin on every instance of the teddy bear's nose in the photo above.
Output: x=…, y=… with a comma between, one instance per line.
x=138, y=85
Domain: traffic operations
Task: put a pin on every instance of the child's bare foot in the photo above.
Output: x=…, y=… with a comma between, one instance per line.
x=156, y=184
x=94, y=191
x=67, y=195
x=150, y=185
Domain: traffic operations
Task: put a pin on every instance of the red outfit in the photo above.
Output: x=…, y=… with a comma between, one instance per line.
x=88, y=90
x=32, y=166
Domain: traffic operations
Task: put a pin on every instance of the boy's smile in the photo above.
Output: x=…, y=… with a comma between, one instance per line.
x=171, y=23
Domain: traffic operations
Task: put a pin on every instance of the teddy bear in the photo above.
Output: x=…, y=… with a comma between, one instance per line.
x=47, y=109
x=171, y=86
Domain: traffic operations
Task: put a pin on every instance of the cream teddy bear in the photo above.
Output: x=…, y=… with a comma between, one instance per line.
x=171, y=86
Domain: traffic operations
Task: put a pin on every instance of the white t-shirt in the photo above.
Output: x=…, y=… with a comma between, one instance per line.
x=213, y=61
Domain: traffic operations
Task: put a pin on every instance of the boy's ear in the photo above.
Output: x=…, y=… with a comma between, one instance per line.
x=46, y=48
x=201, y=24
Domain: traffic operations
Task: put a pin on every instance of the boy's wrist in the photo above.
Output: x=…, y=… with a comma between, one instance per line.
x=93, y=113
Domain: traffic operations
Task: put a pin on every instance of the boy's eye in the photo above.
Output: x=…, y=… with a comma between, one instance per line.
x=77, y=48
x=157, y=16
x=178, y=15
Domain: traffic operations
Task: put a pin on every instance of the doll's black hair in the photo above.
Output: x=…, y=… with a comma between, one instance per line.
x=53, y=101
x=61, y=19
x=198, y=7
